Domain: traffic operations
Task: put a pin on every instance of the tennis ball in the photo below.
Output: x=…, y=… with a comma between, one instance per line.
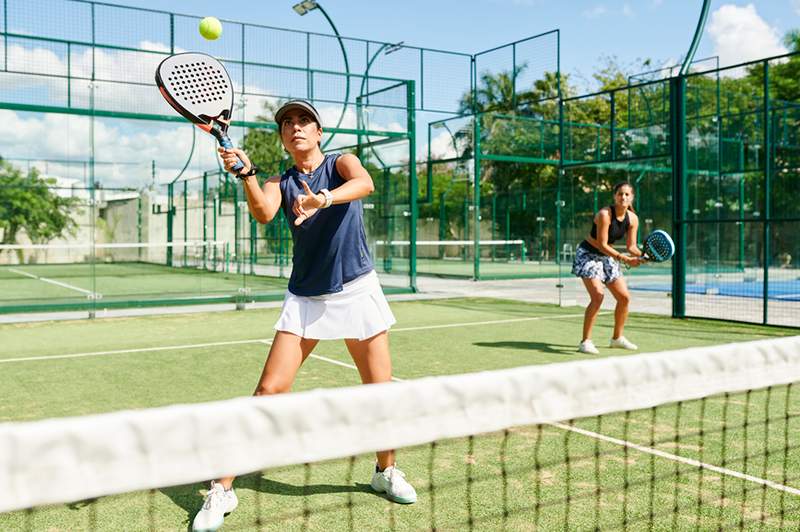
x=210, y=28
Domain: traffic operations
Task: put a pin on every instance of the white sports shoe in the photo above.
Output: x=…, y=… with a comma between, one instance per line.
x=392, y=482
x=219, y=502
x=587, y=346
x=623, y=343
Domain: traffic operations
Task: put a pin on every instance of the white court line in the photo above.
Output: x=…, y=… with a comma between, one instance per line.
x=681, y=459
x=124, y=351
x=52, y=281
x=264, y=341
x=640, y=448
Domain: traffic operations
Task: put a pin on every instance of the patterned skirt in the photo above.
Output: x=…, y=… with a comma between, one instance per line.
x=591, y=265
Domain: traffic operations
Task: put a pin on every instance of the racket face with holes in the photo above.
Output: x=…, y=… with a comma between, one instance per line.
x=658, y=246
x=198, y=87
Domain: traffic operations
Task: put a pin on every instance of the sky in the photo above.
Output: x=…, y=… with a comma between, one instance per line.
x=631, y=30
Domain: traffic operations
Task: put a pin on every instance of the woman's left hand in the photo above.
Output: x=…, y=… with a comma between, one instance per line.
x=306, y=205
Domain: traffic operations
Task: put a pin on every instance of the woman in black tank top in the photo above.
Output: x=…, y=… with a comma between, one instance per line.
x=597, y=264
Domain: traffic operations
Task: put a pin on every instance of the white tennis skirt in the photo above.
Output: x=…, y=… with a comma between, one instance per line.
x=359, y=311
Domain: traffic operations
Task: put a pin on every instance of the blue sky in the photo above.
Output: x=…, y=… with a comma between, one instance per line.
x=631, y=30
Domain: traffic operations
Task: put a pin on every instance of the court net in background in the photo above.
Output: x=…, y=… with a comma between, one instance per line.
x=66, y=259
x=704, y=438
x=453, y=250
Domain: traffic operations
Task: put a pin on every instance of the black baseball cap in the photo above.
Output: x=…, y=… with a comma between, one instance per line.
x=297, y=104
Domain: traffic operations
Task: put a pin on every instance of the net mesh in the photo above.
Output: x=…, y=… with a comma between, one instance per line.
x=699, y=438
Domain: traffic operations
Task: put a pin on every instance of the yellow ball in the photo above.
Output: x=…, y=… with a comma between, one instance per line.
x=211, y=28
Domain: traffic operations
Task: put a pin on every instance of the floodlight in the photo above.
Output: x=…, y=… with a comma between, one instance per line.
x=301, y=8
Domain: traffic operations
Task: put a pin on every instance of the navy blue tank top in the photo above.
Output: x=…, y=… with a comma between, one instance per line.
x=330, y=248
x=616, y=230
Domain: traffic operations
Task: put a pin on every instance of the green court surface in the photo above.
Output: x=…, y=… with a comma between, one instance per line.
x=71, y=368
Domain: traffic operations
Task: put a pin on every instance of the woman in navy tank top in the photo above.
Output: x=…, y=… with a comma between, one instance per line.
x=597, y=264
x=333, y=290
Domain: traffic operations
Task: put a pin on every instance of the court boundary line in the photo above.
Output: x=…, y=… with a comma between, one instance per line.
x=135, y=350
x=261, y=340
x=88, y=293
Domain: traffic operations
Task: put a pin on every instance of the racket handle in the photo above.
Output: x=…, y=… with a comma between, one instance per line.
x=225, y=142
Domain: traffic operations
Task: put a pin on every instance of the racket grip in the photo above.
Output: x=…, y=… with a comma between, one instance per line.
x=225, y=142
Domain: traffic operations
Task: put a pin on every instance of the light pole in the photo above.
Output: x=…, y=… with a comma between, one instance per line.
x=301, y=8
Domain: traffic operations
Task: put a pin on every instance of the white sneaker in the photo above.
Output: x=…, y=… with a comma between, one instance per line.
x=392, y=482
x=219, y=502
x=587, y=346
x=623, y=343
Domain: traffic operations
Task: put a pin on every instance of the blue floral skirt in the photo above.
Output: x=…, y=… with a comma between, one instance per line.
x=591, y=265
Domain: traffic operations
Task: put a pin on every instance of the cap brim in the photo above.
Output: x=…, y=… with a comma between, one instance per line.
x=303, y=106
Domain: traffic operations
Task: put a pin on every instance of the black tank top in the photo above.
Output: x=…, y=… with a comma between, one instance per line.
x=616, y=230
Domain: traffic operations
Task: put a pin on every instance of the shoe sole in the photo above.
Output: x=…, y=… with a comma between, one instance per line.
x=399, y=500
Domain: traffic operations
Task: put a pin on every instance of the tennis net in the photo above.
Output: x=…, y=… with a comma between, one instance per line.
x=507, y=250
x=62, y=258
x=699, y=438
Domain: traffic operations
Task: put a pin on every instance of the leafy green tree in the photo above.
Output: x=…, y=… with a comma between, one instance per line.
x=264, y=145
x=28, y=204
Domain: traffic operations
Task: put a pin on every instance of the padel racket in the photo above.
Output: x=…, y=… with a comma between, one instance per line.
x=658, y=247
x=200, y=89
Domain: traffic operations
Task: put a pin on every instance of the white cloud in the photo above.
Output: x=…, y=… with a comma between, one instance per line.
x=442, y=146
x=740, y=34
x=627, y=11
x=595, y=12
x=57, y=136
x=796, y=6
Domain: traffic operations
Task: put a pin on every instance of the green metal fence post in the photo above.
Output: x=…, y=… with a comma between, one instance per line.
x=204, y=218
x=185, y=218
x=476, y=207
x=768, y=153
x=411, y=99
x=170, y=219
x=679, y=193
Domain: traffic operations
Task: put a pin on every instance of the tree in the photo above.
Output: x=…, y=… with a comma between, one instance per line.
x=28, y=204
x=264, y=145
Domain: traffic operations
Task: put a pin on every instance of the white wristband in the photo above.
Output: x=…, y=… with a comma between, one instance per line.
x=328, y=198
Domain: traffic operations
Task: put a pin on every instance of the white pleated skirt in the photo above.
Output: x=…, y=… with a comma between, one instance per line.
x=359, y=311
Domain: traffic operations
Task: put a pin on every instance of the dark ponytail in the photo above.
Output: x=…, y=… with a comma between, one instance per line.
x=621, y=184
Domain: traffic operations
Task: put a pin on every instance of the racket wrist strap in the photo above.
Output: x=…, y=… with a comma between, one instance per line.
x=244, y=175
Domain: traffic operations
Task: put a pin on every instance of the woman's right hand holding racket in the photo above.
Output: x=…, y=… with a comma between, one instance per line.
x=631, y=262
x=231, y=157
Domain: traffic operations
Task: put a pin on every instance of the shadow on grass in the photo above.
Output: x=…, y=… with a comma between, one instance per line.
x=533, y=346
x=190, y=497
